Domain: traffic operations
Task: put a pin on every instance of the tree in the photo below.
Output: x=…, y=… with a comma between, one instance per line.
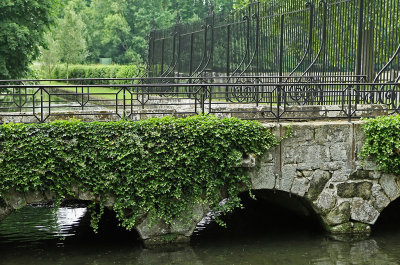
x=22, y=25
x=70, y=36
x=49, y=56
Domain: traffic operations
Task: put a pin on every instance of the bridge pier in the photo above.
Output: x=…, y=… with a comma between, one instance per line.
x=176, y=233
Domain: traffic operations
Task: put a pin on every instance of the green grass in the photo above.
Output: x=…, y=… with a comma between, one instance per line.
x=96, y=93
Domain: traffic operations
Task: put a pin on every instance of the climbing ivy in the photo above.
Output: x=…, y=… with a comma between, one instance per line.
x=159, y=167
x=383, y=142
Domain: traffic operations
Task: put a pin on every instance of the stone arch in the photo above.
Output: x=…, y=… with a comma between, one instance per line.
x=347, y=202
x=271, y=213
x=389, y=216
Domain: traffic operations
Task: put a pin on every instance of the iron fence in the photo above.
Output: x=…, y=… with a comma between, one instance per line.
x=284, y=38
x=272, y=61
x=249, y=97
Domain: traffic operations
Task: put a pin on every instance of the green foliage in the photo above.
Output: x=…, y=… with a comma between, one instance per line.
x=22, y=25
x=98, y=71
x=383, y=142
x=71, y=43
x=120, y=29
x=160, y=167
x=49, y=57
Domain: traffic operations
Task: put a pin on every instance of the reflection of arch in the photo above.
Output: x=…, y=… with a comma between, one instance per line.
x=16, y=200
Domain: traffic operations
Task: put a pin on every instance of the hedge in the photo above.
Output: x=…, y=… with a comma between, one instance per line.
x=79, y=71
x=159, y=166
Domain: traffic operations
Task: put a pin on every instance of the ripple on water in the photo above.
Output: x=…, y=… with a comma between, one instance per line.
x=38, y=233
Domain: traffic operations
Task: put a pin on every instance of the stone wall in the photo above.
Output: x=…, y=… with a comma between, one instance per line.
x=321, y=163
x=180, y=108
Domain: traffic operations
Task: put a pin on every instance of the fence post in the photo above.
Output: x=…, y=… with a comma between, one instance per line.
x=41, y=105
x=359, y=45
x=190, y=90
x=228, y=62
x=256, y=15
x=178, y=33
x=280, y=65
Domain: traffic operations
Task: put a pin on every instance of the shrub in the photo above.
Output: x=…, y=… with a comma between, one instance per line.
x=99, y=71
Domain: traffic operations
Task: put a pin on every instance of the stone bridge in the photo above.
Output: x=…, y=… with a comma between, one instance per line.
x=319, y=165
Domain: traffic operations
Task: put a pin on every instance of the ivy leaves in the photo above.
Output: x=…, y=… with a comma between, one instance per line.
x=383, y=142
x=159, y=167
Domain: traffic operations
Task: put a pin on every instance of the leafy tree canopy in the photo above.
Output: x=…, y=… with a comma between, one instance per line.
x=119, y=29
x=22, y=26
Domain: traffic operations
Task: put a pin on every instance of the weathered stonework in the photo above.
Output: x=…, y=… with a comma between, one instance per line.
x=319, y=162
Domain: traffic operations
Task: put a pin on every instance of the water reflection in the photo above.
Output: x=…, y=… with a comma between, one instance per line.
x=40, y=222
x=33, y=236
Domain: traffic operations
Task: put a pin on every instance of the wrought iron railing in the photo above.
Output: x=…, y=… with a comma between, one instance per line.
x=247, y=97
x=281, y=60
x=284, y=38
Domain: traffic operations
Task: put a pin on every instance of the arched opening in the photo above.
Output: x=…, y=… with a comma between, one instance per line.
x=272, y=214
x=388, y=221
x=65, y=226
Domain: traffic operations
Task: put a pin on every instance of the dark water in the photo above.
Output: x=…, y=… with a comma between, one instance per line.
x=42, y=235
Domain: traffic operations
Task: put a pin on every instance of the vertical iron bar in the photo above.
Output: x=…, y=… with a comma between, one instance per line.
x=228, y=40
x=359, y=45
x=257, y=14
x=202, y=99
x=280, y=64
x=82, y=98
x=191, y=64
x=162, y=55
x=41, y=105
x=124, y=104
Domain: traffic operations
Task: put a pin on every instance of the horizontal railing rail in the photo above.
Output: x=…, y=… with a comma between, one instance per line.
x=260, y=98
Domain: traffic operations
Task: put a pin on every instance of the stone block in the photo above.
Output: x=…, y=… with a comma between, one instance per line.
x=380, y=200
x=303, y=132
x=264, y=178
x=354, y=189
x=285, y=181
x=326, y=201
x=360, y=175
x=339, y=215
x=339, y=152
x=332, y=133
x=34, y=197
x=149, y=230
x=389, y=185
x=319, y=178
x=300, y=186
x=340, y=175
x=363, y=211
